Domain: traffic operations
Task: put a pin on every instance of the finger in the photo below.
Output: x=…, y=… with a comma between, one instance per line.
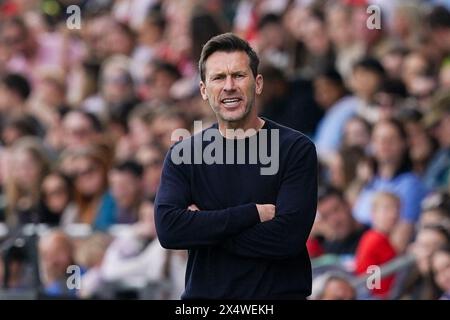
x=193, y=207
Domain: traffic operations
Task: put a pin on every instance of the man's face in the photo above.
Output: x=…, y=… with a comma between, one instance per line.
x=365, y=83
x=426, y=243
x=335, y=213
x=337, y=289
x=77, y=130
x=229, y=85
x=55, y=257
x=125, y=188
x=326, y=93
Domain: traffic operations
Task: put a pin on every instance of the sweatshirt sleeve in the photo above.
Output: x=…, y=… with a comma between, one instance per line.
x=180, y=228
x=285, y=235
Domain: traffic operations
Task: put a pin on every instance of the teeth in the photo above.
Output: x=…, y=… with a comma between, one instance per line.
x=232, y=100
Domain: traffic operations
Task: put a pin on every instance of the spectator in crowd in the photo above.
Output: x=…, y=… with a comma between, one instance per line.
x=120, y=39
x=406, y=25
x=437, y=174
x=390, y=98
x=19, y=126
x=150, y=44
x=440, y=268
x=136, y=257
x=159, y=80
x=356, y=133
x=54, y=137
x=331, y=95
x=151, y=158
x=364, y=173
x=271, y=41
x=290, y=103
x=95, y=205
x=439, y=22
x=393, y=173
x=90, y=254
x=367, y=76
x=436, y=210
x=14, y=92
x=342, y=168
x=319, y=51
x=375, y=247
x=28, y=164
x=140, y=126
x=416, y=75
x=17, y=275
x=340, y=232
x=348, y=49
x=116, y=96
x=392, y=61
x=333, y=286
x=49, y=96
x=421, y=145
x=418, y=284
x=80, y=129
x=126, y=189
x=166, y=121
x=56, y=202
x=56, y=254
x=15, y=117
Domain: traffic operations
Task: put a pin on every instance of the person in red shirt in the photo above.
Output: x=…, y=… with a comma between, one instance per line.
x=375, y=247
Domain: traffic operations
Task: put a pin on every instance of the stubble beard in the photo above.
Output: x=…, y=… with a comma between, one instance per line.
x=234, y=120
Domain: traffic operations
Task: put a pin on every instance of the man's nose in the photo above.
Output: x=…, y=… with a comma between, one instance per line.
x=229, y=84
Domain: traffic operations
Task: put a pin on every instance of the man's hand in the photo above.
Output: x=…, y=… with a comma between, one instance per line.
x=193, y=207
x=266, y=211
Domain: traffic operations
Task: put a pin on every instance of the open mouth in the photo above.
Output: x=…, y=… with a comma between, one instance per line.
x=231, y=102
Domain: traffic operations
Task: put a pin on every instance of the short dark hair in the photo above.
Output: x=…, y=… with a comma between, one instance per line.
x=439, y=17
x=326, y=191
x=394, y=87
x=268, y=19
x=17, y=83
x=371, y=64
x=95, y=122
x=129, y=166
x=227, y=42
x=167, y=67
x=330, y=73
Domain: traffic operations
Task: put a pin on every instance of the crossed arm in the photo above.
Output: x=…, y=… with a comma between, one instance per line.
x=251, y=230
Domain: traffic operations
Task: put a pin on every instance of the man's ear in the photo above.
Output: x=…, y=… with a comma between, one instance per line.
x=203, y=90
x=259, y=84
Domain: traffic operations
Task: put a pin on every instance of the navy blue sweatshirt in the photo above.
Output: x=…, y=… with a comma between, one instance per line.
x=232, y=255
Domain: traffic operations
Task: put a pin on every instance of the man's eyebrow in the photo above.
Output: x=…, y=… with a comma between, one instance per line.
x=221, y=73
x=215, y=74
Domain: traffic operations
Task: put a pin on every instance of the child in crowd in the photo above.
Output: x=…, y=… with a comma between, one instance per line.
x=375, y=248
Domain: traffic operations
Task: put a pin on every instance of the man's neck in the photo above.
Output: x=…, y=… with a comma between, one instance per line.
x=240, y=129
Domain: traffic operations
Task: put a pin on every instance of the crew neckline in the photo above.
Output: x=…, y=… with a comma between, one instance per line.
x=264, y=126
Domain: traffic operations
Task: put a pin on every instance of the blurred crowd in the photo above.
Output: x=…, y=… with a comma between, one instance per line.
x=86, y=117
